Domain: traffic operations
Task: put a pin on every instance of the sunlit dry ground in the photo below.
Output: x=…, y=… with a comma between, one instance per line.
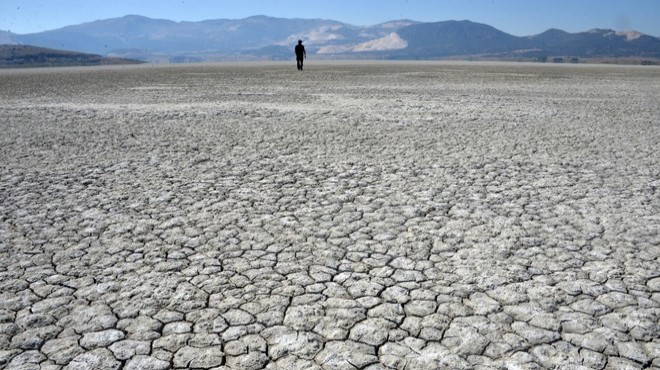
x=354, y=215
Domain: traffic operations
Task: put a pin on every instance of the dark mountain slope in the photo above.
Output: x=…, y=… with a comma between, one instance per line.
x=458, y=38
x=16, y=56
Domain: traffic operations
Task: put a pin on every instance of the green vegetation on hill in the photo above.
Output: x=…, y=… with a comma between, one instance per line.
x=20, y=56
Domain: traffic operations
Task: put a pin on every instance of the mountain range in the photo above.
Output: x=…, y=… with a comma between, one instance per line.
x=267, y=38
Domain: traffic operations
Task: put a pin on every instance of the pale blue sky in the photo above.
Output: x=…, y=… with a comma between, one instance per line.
x=518, y=17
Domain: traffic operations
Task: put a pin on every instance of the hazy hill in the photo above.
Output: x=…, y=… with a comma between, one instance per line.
x=262, y=37
x=6, y=38
x=14, y=56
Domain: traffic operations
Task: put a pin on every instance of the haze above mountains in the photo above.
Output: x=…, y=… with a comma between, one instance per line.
x=267, y=38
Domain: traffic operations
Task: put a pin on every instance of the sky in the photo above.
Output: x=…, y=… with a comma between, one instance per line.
x=517, y=17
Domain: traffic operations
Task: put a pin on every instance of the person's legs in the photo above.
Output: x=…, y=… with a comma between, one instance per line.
x=299, y=62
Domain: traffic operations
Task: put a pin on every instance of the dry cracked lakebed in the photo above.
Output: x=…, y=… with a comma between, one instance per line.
x=351, y=216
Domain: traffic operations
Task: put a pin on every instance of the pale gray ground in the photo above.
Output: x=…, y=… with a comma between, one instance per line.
x=370, y=216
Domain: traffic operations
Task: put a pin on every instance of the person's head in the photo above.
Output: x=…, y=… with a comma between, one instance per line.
x=299, y=42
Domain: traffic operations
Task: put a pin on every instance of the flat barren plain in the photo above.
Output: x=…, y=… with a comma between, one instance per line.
x=351, y=216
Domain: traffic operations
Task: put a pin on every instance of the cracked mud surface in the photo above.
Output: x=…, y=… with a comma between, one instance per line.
x=354, y=216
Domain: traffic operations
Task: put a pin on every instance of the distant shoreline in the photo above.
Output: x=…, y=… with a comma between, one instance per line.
x=25, y=56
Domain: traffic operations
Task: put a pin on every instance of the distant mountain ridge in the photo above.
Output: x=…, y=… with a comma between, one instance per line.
x=262, y=37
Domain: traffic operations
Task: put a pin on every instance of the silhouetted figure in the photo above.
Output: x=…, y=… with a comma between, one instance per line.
x=301, y=54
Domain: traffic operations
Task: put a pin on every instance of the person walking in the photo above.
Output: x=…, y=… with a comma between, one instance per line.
x=301, y=54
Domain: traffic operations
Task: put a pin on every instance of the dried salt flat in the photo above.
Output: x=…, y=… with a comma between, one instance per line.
x=371, y=215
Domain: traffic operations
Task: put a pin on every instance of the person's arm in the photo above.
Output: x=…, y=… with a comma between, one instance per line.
x=305, y=53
